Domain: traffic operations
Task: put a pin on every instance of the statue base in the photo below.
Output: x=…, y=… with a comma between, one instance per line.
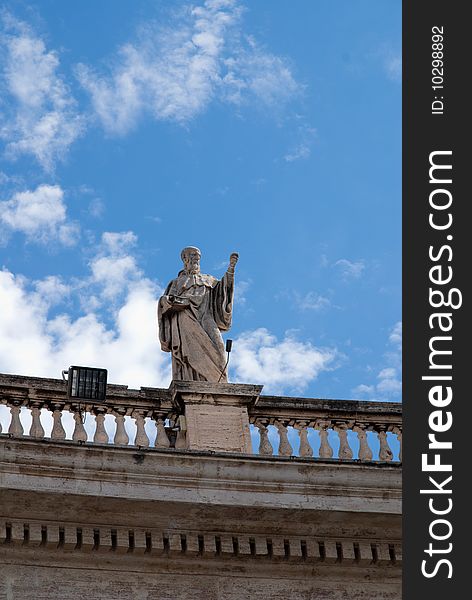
x=216, y=414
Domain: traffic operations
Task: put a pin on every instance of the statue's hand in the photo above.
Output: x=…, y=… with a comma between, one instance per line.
x=233, y=259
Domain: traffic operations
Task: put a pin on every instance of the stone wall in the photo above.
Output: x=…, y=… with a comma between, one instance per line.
x=179, y=581
x=190, y=513
x=114, y=523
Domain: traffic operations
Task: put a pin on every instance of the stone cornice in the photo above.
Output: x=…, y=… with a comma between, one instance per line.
x=197, y=477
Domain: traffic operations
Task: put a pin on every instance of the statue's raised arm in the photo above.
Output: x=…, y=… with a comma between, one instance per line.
x=233, y=259
x=191, y=313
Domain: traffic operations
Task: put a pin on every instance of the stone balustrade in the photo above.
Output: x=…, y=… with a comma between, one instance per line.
x=142, y=418
x=328, y=429
x=149, y=418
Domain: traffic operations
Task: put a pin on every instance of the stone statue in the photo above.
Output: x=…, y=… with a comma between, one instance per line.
x=191, y=313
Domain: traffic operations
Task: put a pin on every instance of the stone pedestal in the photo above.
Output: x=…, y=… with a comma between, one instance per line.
x=215, y=414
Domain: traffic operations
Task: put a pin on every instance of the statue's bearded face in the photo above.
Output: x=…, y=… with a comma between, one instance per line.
x=192, y=261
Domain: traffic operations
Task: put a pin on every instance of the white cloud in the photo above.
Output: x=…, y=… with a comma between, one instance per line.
x=350, y=269
x=393, y=67
x=253, y=73
x=118, y=242
x=96, y=208
x=389, y=384
x=113, y=273
x=114, y=269
x=6, y=179
x=117, y=327
x=240, y=290
x=395, y=336
x=52, y=290
x=302, y=149
x=258, y=357
x=40, y=214
x=174, y=73
x=155, y=219
x=365, y=390
x=313, y=301
x=168, y=73
x=36, y=341
x=40, y=114
x=32, y=343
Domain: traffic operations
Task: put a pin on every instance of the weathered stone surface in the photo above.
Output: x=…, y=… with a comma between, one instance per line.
x=102, y=521
x=176, y=580
x=78, y=520
x=216, y=415
x=191, y=313
x=198, y=477
x=219, y=428
x=371, y=422
x=232, y=394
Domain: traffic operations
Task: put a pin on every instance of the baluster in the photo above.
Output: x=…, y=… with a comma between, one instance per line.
x=305, y=448
x=58, y=431
x=162, y=440
x=325, y=449
x=265, y=447
x=398, y=431
x=385, y=453
x=365, y=453
x=79, y=435
x=141, y=436
x=345, y=451
x=16, y=428
x=181, y=439
x=121, y=437
x=36, y=429
x=285, y=449
x=100, y=436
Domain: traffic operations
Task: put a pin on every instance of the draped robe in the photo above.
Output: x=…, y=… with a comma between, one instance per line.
x=192, y=334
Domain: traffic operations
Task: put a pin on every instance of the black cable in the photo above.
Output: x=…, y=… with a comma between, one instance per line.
x=229, y=345
x=224, y=369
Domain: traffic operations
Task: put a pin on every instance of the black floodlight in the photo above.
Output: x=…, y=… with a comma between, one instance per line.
x=87, y=383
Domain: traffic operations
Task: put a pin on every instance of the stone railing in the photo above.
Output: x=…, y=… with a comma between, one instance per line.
x=40, y=408
x=150, y=418
x=340, y=429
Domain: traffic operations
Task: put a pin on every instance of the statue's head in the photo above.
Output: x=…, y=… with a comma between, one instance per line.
x=191, y=258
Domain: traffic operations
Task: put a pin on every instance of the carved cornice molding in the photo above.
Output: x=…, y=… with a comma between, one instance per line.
x=83, y=537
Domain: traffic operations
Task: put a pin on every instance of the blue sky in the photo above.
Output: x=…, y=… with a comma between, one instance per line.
x=129, y=130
